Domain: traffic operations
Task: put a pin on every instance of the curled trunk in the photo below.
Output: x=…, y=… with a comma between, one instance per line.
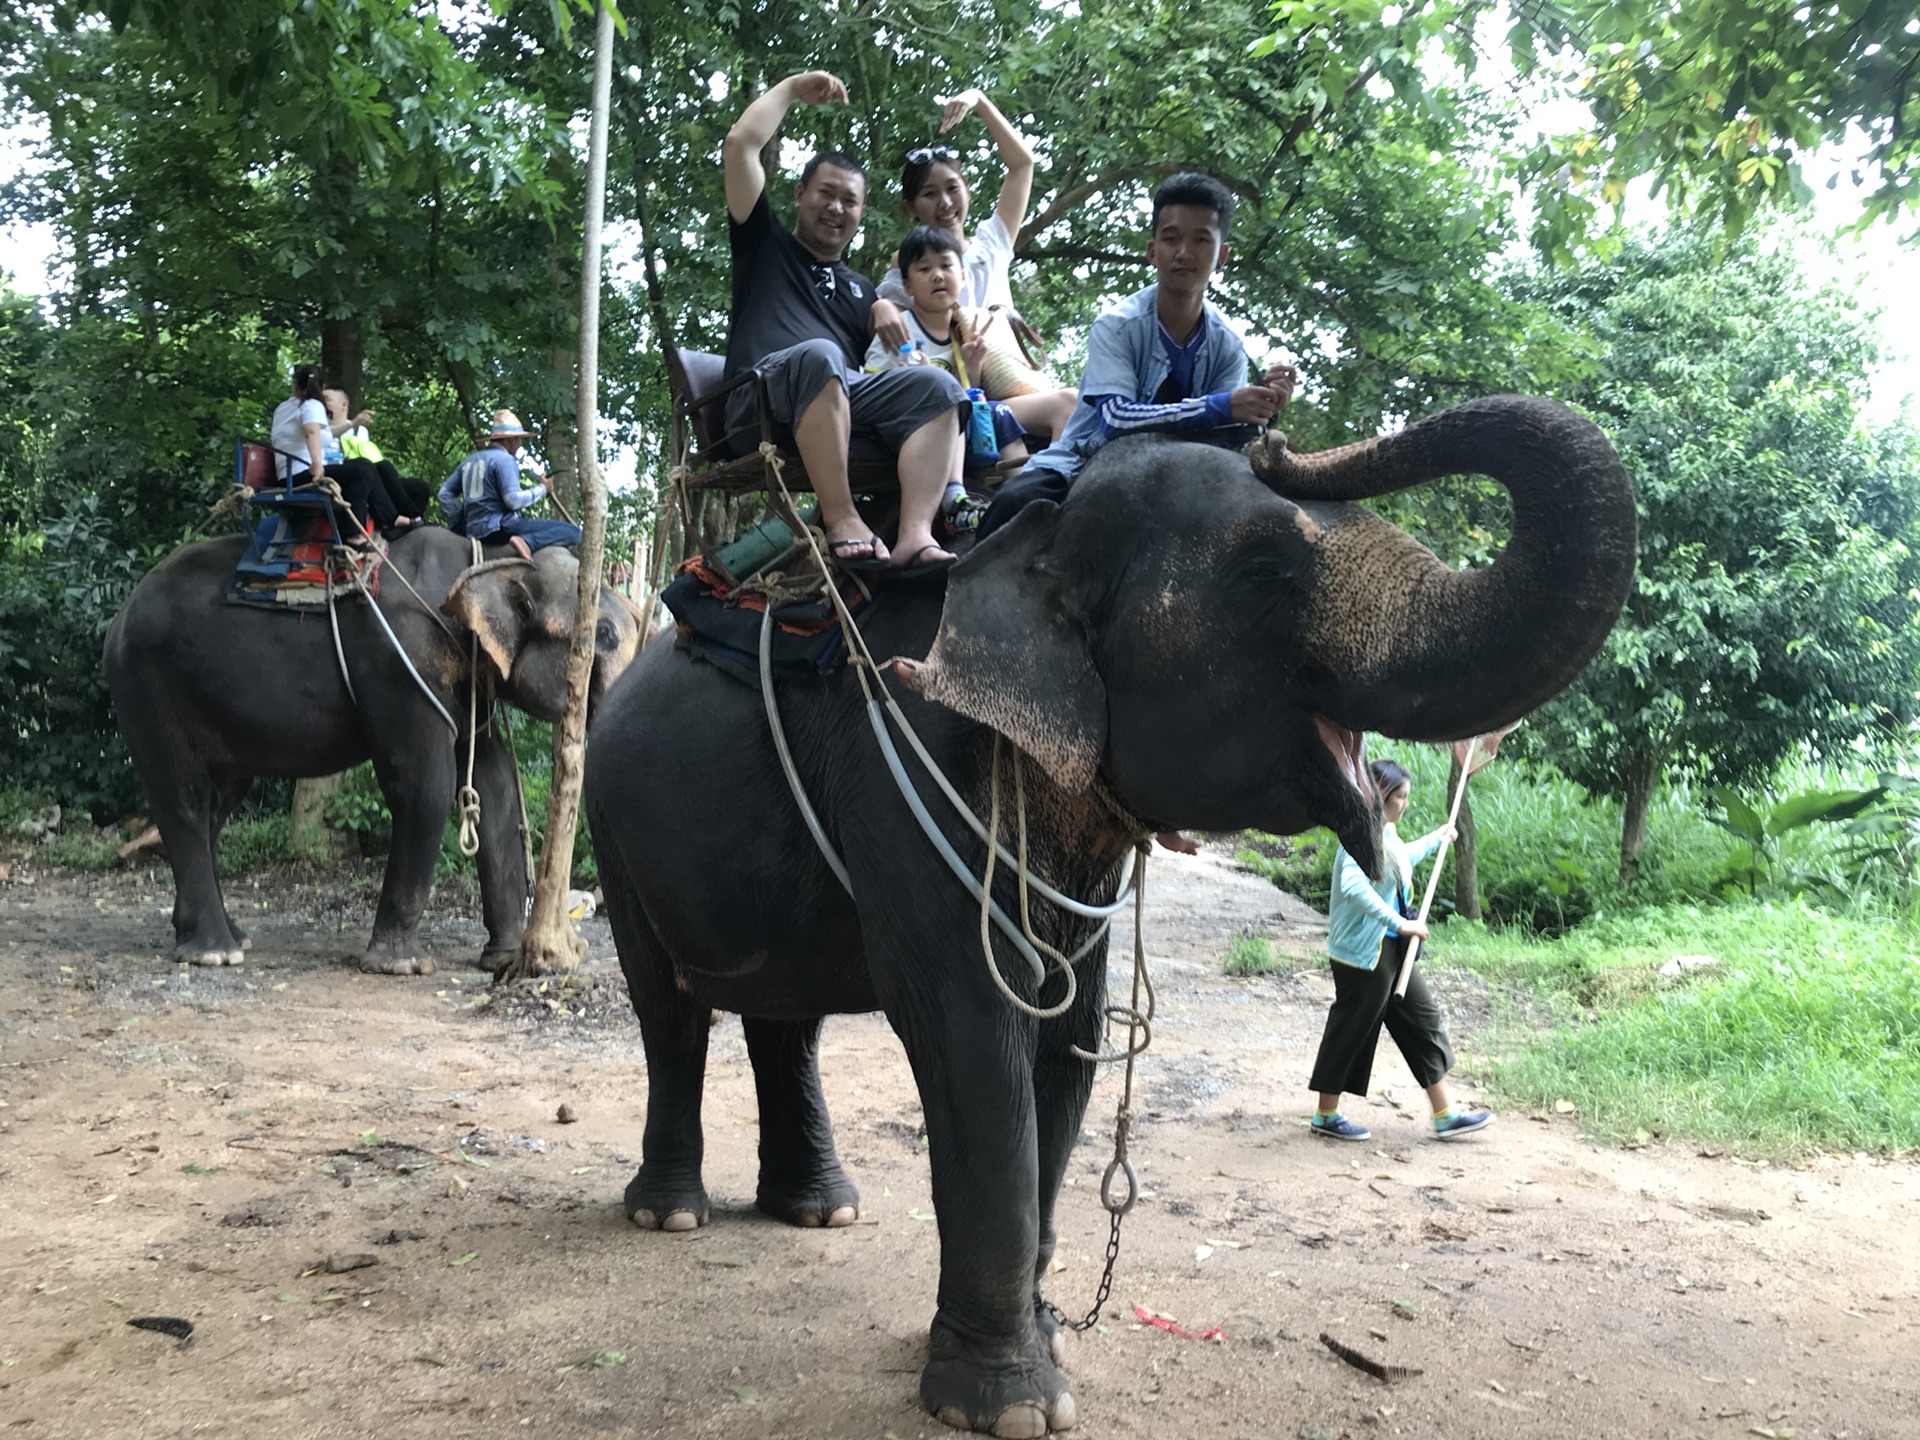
x=1399, y=643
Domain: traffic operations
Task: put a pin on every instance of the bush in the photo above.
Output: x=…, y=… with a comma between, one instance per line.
x=1249, y=954
x=254, y=844
x=1805, y=1032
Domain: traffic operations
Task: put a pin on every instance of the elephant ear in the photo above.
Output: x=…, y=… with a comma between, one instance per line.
x=494, y=602
x=1013, y=655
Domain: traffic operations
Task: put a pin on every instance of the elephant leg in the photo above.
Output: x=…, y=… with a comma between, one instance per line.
x=182, y=796
x=503, y=858
x=419, y=783
x=227, y=796
x=988, y=1367
x=666, y=1193
x=801, y=1181
x=1061, y=1084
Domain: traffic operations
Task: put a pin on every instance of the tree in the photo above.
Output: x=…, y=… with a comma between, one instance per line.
x=1775, y=606
x=1722, y=101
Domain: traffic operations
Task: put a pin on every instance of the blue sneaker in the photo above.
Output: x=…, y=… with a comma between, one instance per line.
x=1458, y=1123
x=1337, y=1127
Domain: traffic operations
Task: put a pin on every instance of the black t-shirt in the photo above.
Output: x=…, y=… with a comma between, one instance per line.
x=782, y=295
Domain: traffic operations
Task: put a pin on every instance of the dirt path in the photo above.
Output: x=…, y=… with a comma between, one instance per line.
x=195, y=1143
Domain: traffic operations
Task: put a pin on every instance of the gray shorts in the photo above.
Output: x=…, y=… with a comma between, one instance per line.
x=891, y=404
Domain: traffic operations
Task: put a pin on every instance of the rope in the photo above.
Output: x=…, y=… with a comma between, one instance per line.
x=468, y=798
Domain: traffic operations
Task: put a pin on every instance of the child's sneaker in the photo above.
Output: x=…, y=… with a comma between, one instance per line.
x=1454, y=1124
x=1337, y=1127
x=963, y=515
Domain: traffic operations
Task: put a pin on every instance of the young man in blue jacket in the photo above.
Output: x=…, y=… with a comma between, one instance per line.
x=1163, y=360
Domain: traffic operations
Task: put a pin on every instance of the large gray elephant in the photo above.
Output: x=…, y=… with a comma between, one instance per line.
x=210, y=695
x=1188, y=640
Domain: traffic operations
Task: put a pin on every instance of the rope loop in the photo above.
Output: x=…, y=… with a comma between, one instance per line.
x=469, y=801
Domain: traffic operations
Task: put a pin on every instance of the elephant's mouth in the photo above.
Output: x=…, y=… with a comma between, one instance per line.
x=1349, y=751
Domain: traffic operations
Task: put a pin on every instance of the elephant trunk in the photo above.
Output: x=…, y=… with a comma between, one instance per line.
x=1398, y=643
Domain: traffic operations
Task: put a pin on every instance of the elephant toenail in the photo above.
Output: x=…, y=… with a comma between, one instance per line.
x=1063, y=1415
x=645, y=1219
x=953, y=1415
x=1021, y=1422
x=680, y=1220
x=1057, y=1350
x=843, y=1215
x=808, y=1219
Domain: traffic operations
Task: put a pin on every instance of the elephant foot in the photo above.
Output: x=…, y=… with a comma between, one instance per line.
x=1024, y=1398
x=654, y=1207
x=496, y=958
x=230, y=956
x=395, y=960
x=831, y=1201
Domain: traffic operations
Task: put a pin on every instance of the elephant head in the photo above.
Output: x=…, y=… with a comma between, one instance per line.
x=1211, y=634
x=521, y=612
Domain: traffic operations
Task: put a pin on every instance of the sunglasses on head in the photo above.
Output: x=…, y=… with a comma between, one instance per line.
x=928, y=154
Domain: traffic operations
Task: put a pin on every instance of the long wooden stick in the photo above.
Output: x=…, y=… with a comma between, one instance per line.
x=1433, y=879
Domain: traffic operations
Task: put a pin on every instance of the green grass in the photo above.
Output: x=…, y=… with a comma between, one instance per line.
x=81, y=849
x=1249, y=954
x=1805, y=1034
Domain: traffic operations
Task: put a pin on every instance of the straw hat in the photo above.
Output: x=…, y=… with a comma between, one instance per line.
x=507, y=426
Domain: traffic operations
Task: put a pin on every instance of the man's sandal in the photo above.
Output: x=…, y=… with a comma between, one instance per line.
x=914, y=568
x=862, y=554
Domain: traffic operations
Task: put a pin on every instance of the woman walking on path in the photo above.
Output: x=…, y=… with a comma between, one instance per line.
x=1368, y=927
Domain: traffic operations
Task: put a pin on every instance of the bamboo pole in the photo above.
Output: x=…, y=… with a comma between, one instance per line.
x=1433, y=877
x=549, y=945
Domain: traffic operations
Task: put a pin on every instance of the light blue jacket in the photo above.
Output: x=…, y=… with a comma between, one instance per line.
x=1360, y=912
x=1125, y=357
x=483, y=490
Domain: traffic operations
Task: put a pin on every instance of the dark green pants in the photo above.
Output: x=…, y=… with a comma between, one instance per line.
x=1363, y=1001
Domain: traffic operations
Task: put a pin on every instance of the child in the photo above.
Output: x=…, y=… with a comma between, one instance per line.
x=1164, y=359
x=933, y=270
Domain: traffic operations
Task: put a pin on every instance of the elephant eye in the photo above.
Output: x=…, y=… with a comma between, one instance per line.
x=605, y=637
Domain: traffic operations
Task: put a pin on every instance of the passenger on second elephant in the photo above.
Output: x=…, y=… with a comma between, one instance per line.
x=408, y=493
x=303, y=438
x=482, y=496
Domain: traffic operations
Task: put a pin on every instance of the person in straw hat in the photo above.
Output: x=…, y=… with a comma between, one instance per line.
x=484, y=497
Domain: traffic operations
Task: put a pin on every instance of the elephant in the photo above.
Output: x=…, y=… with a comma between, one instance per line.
x=210, y=694
x=1192, y=638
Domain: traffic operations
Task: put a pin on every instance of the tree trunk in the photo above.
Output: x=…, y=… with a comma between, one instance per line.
x=1640, y=772
x=312, y=839
x=1466, y=868
x=563, y=463
x=550, y=946
x=342, y=355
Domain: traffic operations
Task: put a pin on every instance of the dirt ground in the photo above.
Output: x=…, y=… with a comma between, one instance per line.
x=199, y=1143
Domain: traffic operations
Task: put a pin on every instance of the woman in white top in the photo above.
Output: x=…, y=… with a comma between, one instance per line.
x=934, y=192
x=304, y=437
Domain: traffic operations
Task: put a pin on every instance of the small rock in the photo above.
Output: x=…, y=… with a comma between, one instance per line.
x=341, y=1261
x=1318, y=1432
x=564, y=1115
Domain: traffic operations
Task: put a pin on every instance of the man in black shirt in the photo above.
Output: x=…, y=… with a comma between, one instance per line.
x=804, y=320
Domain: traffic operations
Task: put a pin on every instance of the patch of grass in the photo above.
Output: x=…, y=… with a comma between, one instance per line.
x=83, y=849
x=1805, y=1033
x=17, y=803
x=1249, y=954
x=250, y=845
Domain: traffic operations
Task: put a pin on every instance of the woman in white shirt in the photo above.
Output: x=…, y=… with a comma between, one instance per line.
x=934, y=192
x=303, y=437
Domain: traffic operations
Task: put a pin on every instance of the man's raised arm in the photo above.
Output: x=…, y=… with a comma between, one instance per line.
x=758, y=123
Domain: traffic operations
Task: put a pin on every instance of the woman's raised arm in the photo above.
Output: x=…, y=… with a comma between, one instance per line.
x=1015, y=154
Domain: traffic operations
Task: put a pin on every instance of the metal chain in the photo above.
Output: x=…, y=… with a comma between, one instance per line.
x=1139, y=1029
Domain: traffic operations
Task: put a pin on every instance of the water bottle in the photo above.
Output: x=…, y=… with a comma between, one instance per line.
x=983, y=446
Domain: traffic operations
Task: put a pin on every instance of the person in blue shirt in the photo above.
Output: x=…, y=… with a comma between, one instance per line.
x=1369, y=923
x=1161, y=361
x=483, y=497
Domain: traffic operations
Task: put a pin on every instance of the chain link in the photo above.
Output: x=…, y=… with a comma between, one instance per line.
x=1139, y=1024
